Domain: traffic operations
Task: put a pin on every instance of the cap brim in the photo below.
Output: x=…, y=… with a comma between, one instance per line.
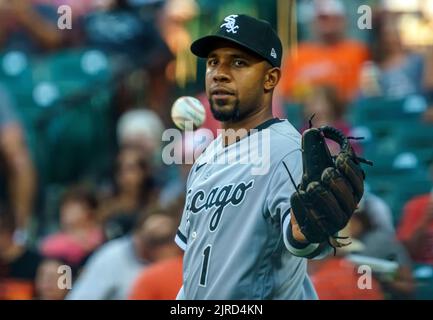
x=203, y=46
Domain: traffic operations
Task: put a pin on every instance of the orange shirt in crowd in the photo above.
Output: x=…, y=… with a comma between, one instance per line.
x=16, y=289
x=315, y=64
x=337, y=279
x=413, y=214
x=160, y=281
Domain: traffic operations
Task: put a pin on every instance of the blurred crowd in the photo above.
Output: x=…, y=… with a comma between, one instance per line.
x=83, y=109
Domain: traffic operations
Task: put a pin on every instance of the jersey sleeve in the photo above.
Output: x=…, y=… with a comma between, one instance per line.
x=181, y=237
x=280, y=185
x=181, y=294
x=278, y=205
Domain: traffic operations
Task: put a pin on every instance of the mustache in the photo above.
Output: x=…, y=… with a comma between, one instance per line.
x=221, y=90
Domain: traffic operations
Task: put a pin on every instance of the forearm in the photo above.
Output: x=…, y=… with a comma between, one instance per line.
x=45, y=33
x=22, y=184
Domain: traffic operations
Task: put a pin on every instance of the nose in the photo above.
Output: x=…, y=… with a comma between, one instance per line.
x=222, y=74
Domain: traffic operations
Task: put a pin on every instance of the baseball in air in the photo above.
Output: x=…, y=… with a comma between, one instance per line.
x=188, y=113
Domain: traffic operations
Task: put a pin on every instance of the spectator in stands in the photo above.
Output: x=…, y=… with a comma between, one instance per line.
x=48, y=278
x=336, y=278
x=28, y=27
x=189, y=149
x=119, y=28
x=160, y=281
x=172, y=22
x=112, y=270
x=18, y=264
x=134, y=192
x=328, y=109
x=79, y=233
x=127, y=31
x=141, y=128
x=79, y=7
x=17, y=173
x=416, y=227
x=382, y=244
x=379, y=212
x=331, y=59
x=175, y=15
x=396, y=72
x=163, y=278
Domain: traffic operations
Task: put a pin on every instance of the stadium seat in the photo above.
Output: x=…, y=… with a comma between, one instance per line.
x=294, y=114
x=79, y=141
x=402, y=193
x=15, y=69
x=423, y=275
x=63, y=100
x=416, y=138
x=397, y=178
x=377, y=110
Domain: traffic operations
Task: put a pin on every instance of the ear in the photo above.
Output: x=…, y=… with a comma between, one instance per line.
x=272, y=78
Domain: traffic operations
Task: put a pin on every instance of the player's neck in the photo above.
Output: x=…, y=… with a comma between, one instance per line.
x=241, y=128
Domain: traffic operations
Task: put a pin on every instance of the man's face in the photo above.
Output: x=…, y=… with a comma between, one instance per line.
x=330, y=28
x=234, y=82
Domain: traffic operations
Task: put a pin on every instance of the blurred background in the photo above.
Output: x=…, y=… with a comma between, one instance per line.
x=83, y=107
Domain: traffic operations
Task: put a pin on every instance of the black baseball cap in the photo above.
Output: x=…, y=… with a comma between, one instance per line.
x=251, y=33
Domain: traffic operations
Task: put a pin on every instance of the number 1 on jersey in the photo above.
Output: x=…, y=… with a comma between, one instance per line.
x=205, y=265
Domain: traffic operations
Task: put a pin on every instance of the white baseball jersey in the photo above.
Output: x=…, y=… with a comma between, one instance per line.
x=235, y=226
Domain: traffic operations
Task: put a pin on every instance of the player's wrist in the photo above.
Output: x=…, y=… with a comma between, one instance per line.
x=296, y=230
x=296, y=238
x=298, y=235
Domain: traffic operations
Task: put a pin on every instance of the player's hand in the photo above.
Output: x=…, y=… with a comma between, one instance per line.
x=331, y=186
x=296, y=230
x=299, y=236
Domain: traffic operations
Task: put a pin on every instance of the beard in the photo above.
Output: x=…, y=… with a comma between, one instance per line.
x=232, y=115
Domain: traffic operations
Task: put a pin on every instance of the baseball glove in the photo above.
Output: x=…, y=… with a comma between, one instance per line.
x=331, y=186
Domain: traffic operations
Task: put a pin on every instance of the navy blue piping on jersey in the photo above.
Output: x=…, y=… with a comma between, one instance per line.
x=285, y=216
x=268, y=123
x=181, y=236
x=299, y=245
x=263, y=125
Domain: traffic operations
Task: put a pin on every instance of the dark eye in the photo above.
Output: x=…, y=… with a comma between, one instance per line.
x=239, y=63
x=211, y=62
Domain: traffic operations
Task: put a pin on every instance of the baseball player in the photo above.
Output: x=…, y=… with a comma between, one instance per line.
x=239, y=232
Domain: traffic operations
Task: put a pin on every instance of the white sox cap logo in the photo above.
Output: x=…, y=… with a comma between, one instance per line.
x=230, y=23
x=273, y=53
